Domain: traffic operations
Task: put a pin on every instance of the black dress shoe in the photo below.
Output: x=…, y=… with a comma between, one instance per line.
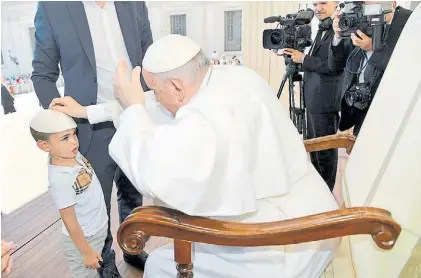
x=137, y=261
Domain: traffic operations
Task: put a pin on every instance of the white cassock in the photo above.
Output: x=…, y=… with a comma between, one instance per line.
x=231, y=154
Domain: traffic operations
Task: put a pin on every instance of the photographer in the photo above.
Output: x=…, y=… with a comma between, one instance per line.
x=364, y=67
x=321, y=90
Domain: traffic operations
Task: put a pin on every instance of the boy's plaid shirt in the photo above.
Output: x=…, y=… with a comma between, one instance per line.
x=84, y=177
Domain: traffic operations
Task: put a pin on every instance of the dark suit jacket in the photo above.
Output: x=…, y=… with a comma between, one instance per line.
x=339, y=54
x=6, y=99
x=321, y=84
x=63, y=37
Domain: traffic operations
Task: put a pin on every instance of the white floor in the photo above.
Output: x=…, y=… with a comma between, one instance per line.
x=23, y=167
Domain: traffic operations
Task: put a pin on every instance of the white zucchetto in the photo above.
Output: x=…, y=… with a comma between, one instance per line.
x=51, y=121
x=169, y=53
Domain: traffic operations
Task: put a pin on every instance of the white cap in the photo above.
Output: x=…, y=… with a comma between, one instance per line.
x=168, y=53
x=51, y=121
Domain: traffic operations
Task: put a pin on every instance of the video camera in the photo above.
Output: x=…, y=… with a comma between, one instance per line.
x=367, y=18
x=294, y=31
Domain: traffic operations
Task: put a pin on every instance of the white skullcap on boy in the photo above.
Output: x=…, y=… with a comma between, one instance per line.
x=51, y=121
x=169, y=53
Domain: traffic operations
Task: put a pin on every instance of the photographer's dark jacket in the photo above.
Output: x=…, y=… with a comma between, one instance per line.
x=377, y=64
x=322, y=90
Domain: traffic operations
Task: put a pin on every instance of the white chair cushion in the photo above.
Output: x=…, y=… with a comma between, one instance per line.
x=341, y=266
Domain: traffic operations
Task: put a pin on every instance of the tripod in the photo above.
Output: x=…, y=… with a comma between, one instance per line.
x=297, y=114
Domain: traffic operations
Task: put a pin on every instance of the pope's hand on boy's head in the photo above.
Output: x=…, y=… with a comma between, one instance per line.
x=69, y=106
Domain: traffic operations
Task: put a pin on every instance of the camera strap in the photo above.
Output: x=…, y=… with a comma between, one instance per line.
x=363, y=64
x=373, y=79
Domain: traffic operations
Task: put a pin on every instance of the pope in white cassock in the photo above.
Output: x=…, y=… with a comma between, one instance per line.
x=230, y=152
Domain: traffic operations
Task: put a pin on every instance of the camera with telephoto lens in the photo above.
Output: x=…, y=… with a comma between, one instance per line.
x=294, y=31
x=359, y=96
x=368, y=18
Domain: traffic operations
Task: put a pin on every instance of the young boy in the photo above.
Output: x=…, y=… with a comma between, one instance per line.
x=76, y=191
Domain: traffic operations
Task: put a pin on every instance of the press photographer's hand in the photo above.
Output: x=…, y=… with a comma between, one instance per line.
x=365, y=43
x=297, y=56
x=335, y=24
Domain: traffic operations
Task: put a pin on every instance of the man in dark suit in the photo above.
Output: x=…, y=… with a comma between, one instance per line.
x=7, y=100
x=88, y=39
x=362, y=64
x=321, y=91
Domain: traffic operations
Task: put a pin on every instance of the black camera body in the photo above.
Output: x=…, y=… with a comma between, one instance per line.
x=352, y=19
x=294, y=31
x=359, y=96
x=356, y=18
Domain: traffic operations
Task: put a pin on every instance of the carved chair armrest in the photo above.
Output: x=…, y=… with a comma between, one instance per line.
x=169, y=223
x=340, y=140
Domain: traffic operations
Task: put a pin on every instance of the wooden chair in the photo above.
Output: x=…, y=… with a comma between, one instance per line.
x=381, y=180
x=165, y=222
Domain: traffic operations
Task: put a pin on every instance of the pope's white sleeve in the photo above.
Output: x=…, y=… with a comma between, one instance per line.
x=172, y=162
x=104, y=112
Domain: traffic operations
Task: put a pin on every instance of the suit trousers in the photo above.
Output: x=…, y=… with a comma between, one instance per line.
x=107, y=170
x=325, y=162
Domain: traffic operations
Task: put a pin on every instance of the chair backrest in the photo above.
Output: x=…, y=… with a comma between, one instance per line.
x=23, y=167
x=383, y=169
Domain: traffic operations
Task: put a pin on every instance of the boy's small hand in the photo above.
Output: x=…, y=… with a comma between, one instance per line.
x=91, y=260
x=69, y=106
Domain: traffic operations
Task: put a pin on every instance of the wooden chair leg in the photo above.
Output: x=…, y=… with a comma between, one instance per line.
x=182, y=256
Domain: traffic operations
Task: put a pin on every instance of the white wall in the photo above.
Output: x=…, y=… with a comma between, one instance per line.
x=16, y=18
x=205, y=25
x=217, y=13
x=204, y=21
x=414, y=4
x=404, y=4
